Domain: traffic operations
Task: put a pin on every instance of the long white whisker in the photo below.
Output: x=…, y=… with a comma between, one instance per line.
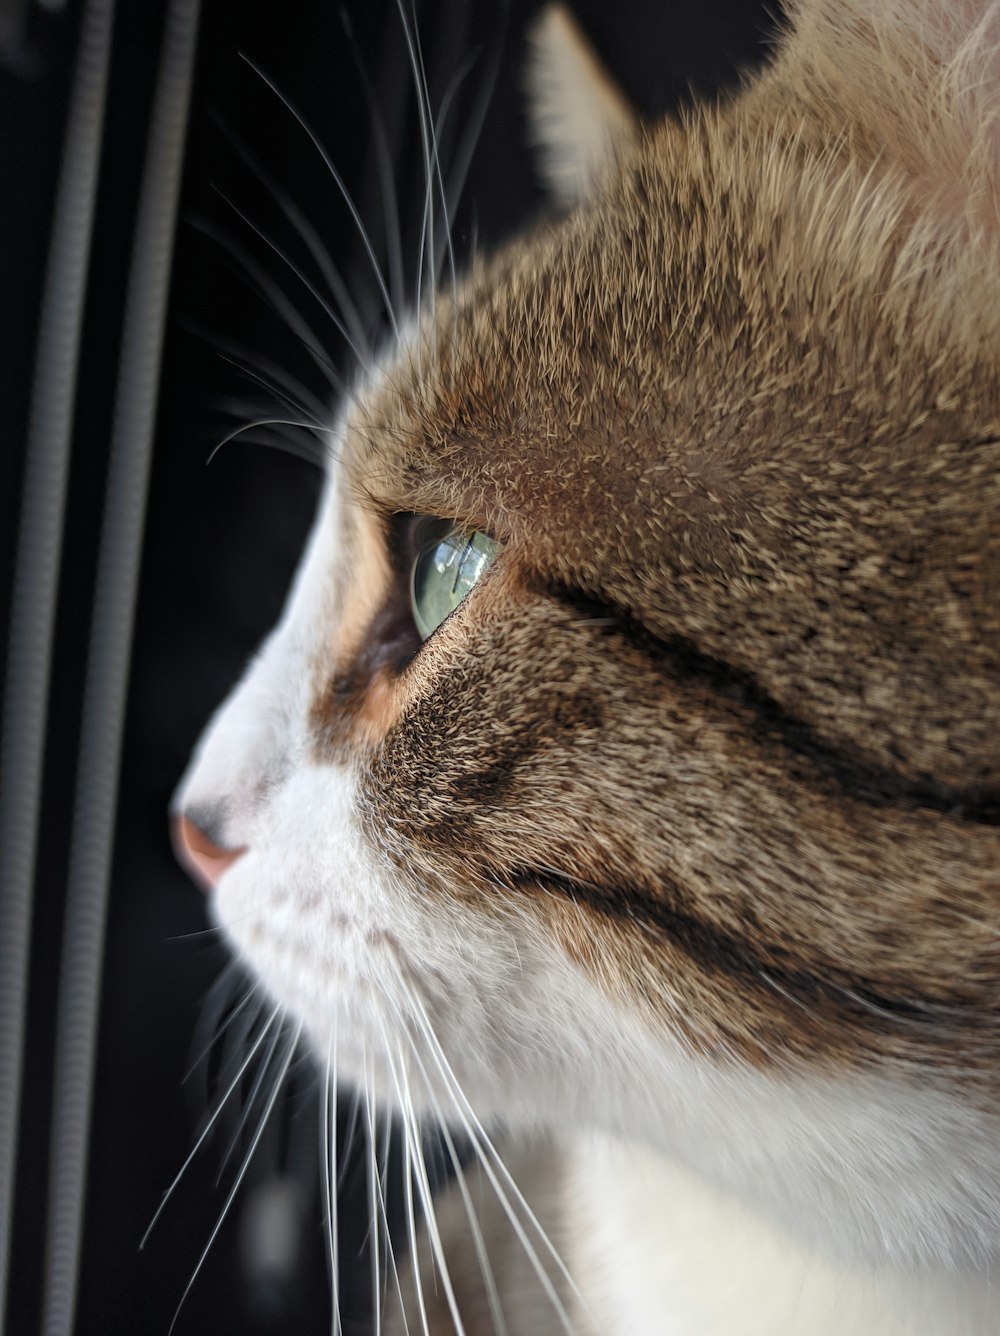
x=272, y=1100
x=427, y=220
x=437, y=177
x=328, y=1153
x=251, y=1100
x=209, y=1125
x=287, y=445
x=309, y=236
x=245, y=358
x=345, y=193
x=411, y=1219
x=479, y=1243
x=401, y=1081
x=486, y=1270
x=482, y=1142
x=531, y=1253
x=383, y=1171
x=237, y=1041
x=219, y=1030
x=303, y=278
x=264, y=422
x=349, y=1139
x=458, y=171
x=373, y=1201
x=445, y=245
x=283, y=396
x=326, y=1176
x=313, y=451
x=387, y=186
x=260, y=281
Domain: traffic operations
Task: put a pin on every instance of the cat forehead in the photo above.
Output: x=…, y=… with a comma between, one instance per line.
x=724, y=307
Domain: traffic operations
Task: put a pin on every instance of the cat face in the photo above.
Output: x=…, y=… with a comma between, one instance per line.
x=626, y=753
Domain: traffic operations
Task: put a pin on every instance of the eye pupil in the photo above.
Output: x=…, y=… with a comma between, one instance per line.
x=445, y=569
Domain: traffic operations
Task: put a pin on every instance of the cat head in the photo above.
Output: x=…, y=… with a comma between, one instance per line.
x=626, y=754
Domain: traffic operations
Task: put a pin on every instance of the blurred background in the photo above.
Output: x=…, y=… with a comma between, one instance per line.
x=169, y=231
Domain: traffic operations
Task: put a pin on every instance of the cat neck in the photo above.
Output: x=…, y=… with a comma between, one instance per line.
x=655, y=1251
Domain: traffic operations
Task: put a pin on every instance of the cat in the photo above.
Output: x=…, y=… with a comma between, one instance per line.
x=625, y=768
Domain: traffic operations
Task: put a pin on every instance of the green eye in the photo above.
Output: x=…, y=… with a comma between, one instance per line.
x=446, y=568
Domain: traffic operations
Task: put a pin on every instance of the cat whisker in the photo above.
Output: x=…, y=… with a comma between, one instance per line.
x=233, y=1032
x=376, y=1206
x=387, y=187
x=487, y=1152
x=208, y=1126
x=310, y=287
x=411, y=1219
x=328, y=1159
x=482, y=1257
x=268, y=290
x=265, y=1116
x=234, y=1047
x=379, y=1209
x=443, y=241
x=262, y=422
x=279, y=433
x=458, y=171
x=439, y=240
x=384, y=1153
x=478, y=1242
x=218, y=1031
x=236, y=406
x=418, y=1164
x=310, y=238
x=286, y=445
x=245, y=359
x=310, y=448
x=251, y=1100
x=338, y=181
x=427, y=216
x=214, y=932
x=283, y=396
x=353, y=1128
x=921, y=1009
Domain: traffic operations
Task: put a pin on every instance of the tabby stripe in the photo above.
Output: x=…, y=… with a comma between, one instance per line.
x=832, y=993
x=771, y=723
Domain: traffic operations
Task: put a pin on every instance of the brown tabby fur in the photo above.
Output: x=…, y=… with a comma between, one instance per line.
x=735, y=685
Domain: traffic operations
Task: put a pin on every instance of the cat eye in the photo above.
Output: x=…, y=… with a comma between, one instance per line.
x=449, y=561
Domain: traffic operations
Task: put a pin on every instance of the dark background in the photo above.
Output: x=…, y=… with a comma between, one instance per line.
x=222, y=541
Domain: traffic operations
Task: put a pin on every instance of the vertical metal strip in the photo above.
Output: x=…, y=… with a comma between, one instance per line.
x=36, y=569
x=106, y=682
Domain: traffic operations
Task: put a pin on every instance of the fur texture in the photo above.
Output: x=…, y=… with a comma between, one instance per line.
x=684, y=827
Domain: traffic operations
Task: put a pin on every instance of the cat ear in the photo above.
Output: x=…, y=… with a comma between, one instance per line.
x=579, y=116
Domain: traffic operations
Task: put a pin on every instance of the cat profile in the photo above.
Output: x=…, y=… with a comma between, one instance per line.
x=624, y=767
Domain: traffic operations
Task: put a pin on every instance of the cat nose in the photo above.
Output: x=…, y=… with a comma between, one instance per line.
x=202, y=859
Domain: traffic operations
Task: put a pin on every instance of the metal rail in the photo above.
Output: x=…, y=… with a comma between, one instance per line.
x=36, y=569
x=106, y=683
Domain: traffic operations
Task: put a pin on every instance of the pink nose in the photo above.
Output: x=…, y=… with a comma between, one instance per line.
x=204, y=860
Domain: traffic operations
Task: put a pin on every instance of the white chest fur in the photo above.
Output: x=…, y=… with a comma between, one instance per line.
x=657, y=1253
